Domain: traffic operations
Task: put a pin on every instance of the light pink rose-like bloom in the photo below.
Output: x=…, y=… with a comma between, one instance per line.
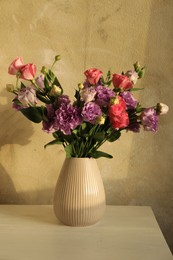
x=15, y=66
x=133, y=75
x=122, y=81
x=88, y=94
x=27, y=97
x=28, y=71
x=93, y=75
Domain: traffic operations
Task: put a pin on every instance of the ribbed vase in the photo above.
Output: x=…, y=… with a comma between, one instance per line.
x=79, y=198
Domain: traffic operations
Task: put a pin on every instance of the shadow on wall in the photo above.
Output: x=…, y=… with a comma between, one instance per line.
x=14, y=128
x=8, y=194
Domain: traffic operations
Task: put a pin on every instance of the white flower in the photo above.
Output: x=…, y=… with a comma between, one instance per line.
x=162, y=109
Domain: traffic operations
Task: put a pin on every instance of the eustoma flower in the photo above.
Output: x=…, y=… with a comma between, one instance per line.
x=122, y=81
x=130, y=101
x=93, y=75
x=26, y=97
x=91, y=111
x=101, y=109
x=149, y=119
x=15, y=66
x=117, y=114
x=28, y=71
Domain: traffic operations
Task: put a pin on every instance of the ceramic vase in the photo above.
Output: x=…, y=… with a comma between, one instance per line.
x=79, y=198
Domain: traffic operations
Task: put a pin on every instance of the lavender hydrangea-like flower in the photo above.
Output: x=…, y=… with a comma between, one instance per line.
x=149, y=119
x=131, y=102
x=103, y=96
x=67, y=118
x=90, y=112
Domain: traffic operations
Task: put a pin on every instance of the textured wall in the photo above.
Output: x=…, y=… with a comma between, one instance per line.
x=103, y=34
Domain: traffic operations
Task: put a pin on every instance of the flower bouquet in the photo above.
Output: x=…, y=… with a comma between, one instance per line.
x=102, y=107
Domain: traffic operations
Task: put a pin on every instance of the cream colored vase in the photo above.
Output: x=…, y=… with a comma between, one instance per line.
x=79, y=198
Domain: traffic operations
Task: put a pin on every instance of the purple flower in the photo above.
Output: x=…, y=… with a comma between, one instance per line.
x=90, y=112
x=103, y=96
x=49, y=125
x=131, y=102
x=134, y=127
x=149, y=119
x=67, y=118
x=63, y=100
x=26, y=97
x=40, y=81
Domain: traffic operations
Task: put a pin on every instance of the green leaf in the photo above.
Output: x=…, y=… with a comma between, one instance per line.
x=98, y=154
x=99, y=136
x=57, y=83
x=52, y=143
x=68, y=150
x=43, y=99
x=33, y=113
x=114, y=136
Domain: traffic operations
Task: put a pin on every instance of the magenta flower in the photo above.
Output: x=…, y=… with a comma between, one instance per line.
x=90, y=112
x=149, y=119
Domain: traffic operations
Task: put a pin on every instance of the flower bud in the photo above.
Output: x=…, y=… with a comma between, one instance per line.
x=80, y=86
x=44, y=70
x=162, y=109
x=57, y=57
x=55, y=91
x=114, y=101
x=100, y=120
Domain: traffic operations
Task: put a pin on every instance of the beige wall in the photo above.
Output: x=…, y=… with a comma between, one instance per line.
x=103, y=34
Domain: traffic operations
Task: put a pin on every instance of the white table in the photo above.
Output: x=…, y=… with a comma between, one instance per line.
x=124, y=233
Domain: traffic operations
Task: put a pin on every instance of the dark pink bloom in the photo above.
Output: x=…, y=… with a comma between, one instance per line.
x=122, y=81
x=118, y=115
x=93, y=75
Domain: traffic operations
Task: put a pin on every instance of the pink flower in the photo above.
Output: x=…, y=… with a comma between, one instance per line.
x=118, y=115
x=28, y=71
x=122, y=81
x=93, y=75
x=15, y=66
